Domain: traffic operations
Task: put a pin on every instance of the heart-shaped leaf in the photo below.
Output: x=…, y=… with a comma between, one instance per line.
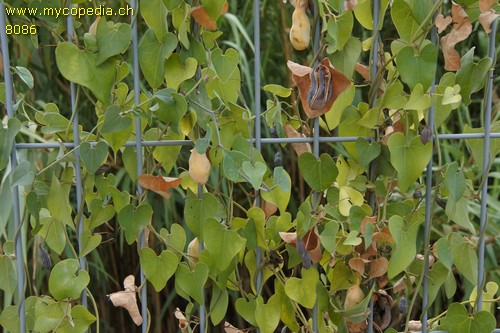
x=267, y=315
x=177, y=72
x=192, y=282
x=8, y=280
x=89, y=242
x=152, y=55
x=134, y=220
x=409, y=159
x=303, y=291
x=158, y=269
x=452, y=96
x=367, y=152
x=197, y=210
x=319, y=174
x=112, y=39
x=221, y=243
x=93, y=157
x=80, y=66
x=349, y=197
x=226, y=63
x=488, y=296
x=7, y=139
x=464, y=256
x=254, y=173
x=173, y=113
x=458, y=320
x=246, y=309
x=154, y=13
x=404, y=233
x=280, y=186
x=418, y=100
x=176, y=238
x=417, y=67
x=114, y=121
x=67, y=280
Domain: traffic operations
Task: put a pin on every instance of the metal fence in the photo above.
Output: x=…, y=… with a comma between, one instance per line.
x=316, y=141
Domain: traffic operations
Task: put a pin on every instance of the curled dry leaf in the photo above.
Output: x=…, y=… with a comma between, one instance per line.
x=228, y=328
x=183, y=323
x=335, y=84
x=126, y=299
x=311, y=241
x=462, y=28
x=442, y=22
x=485, y=5
x=303, y=4
x=362, y=70
x=382, y=309
x=358, y=264
x=354, y=296
x=350, y=4
x=400, y=285
x=301, y=147
x=159, y=184
x=378, y=267
x=199, y=167
x=486, y=18
x=202, y=18
x=415, y=325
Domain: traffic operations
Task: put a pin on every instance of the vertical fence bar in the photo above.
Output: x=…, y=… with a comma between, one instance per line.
x=373, y=75
x=316, y=47
x=486, y=161
x=138, y=150
x=257, y=124
x=4, y=42
x=428, y=203
x=78, y=170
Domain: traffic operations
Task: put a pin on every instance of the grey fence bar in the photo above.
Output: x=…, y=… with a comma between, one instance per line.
x=258, y=140
x=9, y=94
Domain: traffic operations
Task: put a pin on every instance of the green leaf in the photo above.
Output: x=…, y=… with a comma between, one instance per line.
x=154, y=13
x=173, y=113
x=25, y=75
x=254, y=172
x=458, y=320
x=67, y=280
x=202, y=144
x=9, y=319
x=267, y=315
x=8, y=279
x=134, y=220
x=112, y=39
x=221, y=243
x=225, y=64
x=89, y=242
x=488, y=303
x=345, y=60
x=342, y=102
x=406, y=24
x=24, y=174
x=246, y=309
x=349, y=197
x=417, y=66
x=82, y=319
x=100, y=214
x=339, y=30
x=408, y=158
x=454, y=180
x=158, y=269
x=464, y=256
x=167, y=155
x=472, y=75
x=197, y=210
x=192, y=282
x=176, y=238
x=477, y=146
x=394, y=97
x=177, y=72
x=152, y=55
x=278, y=90
x=437, y=277
x=52, y=230
x=328, y=236
x=93, y=157
x=404, y=233
x=363, y=13
x=7, y=136
x=80, y=66
x=418, y=100
x=58, y=198
x=319, y=174
x=367, y=152
x=280, y=185
x=53, y=316
x=451, y=96
x=114, y=121
x=303, y=291
x=218, y=304
x=213, y=8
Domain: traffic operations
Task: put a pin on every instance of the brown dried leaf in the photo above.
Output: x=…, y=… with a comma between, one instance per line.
x=362, y=70
x=299, y=148
x=462, y=28
x=228, y=328
x=350, y=4
x=357, y=327
x=378, y=267
x=183, y=323
x=486, y=18
x=485, y=5
x=311, y=241
x=442, y=22
x=358, y=264
x=126, y=299
x=201, y=17
x=415, y=325
x=159, y=184
x=301, y=77
x=401, y=284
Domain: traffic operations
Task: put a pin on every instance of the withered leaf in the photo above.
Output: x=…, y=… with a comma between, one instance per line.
x=183, y=323
x=462, y=28
x=350, y=4
x=442, y=22
x=358, y=264
x=486, y=18
x=300, y=147
x=127, y=299
x=202, y=18
x=301, y=77
x=311, y=241
x=159, y=184
x=378, y=267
